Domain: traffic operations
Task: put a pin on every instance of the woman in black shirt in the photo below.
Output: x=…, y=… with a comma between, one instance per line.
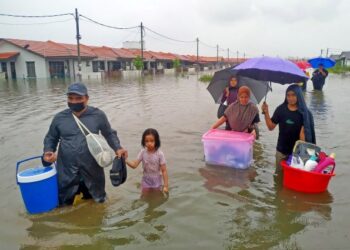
x=295, y=122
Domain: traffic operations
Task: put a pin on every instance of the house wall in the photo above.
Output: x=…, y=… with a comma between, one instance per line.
x=347, y=62
x=86, y=70
x=131, y=74
x=41, y=69
x=169, y=71
x=160, y=65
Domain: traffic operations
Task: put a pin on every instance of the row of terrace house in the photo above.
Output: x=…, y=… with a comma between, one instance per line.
x=49, y=59
x=343, y=59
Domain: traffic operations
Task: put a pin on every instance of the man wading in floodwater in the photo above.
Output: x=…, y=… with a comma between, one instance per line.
x=78, y=172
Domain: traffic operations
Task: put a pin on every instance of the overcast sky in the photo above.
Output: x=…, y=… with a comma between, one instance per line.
x=299, y=28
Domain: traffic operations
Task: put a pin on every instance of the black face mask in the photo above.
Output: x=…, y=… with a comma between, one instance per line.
x=76, y=107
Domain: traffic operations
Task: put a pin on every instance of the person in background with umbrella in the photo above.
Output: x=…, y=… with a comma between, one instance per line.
x=319, y=77
x=242, y=115
x=230, y=95
x=295, y=122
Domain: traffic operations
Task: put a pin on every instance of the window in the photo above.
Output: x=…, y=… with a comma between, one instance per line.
x=102, y=65
x=168, y=65
x=31, y=69
x=95, y=66
x=98, y=66
x=114, y=66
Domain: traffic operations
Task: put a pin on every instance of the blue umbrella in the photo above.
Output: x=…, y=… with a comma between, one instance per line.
x=326, y=62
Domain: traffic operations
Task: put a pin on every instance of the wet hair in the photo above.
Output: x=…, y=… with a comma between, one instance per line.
x=151, y=131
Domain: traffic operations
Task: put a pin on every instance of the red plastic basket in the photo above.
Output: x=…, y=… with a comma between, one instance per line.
x=304, y=181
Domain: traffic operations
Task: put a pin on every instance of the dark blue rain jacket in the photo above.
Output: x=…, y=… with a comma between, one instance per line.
x=74, y=161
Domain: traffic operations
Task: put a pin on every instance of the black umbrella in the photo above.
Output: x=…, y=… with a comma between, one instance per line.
x=222, y=78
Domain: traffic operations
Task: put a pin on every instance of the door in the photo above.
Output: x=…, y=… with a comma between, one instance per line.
x=31, y=69
x=13, y=70
x=56, y=69
x=4, y=69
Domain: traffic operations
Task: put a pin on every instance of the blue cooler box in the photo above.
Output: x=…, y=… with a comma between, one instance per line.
x=38, y=187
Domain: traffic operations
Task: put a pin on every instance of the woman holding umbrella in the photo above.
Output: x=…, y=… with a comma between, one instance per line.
x=295, y=122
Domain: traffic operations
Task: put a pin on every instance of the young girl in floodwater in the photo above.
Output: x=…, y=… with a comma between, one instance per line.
x=153, y=163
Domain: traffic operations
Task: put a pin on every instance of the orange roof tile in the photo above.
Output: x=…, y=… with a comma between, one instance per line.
x=85, y=51
x=234, y=60
x=210, y=59
x=162, y=55
x=123, y=53
x=183, y=58
x=104, y=52
x=8, y=55
x=137, y=52
x=52, y=49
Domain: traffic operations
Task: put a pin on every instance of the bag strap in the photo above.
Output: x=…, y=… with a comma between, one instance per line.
x=81, y=125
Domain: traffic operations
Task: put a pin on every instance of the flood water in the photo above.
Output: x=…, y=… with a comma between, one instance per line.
x=208, y=207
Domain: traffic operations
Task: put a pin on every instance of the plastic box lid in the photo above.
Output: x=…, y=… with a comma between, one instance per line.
x=226, y=135
x=36, y=174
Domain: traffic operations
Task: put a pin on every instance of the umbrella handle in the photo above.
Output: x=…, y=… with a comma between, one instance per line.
x=267, y=90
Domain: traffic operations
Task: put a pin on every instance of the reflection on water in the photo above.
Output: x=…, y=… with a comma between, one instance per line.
x=209, y=207
x=318, y=104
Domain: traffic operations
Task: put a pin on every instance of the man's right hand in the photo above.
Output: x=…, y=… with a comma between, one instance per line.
x=50, y=157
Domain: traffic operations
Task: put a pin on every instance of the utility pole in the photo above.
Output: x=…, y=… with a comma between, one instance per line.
x=228, y=54
x=197, y=40
x=141, y=47
x=327, y=52
x=217, y=54
x=78, y=43
x=321, y=52
x=237, y=56
x=244, y=55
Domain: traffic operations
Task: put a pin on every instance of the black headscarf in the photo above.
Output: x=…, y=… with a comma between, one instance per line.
x=308, y=119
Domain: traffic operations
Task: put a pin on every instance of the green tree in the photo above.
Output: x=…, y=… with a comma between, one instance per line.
x=176, y=63
x=138, y=63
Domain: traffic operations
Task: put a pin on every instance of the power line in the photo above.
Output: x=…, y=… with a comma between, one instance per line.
x=207, y=45
x=169, y=38
x=40, y=16
x=137, y=32
x=108, y=26
x=28, y=24
x=166, y=41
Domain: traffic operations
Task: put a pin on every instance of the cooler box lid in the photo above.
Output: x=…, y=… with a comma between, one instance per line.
x=36, y=174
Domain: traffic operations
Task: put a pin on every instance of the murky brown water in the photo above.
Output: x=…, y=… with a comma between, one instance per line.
x=209, y=207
